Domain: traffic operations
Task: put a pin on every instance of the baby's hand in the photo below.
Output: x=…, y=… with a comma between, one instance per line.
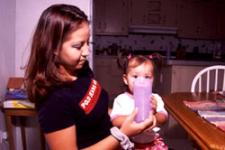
x=153, y=104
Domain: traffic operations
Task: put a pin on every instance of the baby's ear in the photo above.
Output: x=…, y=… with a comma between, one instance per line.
x=125, y=79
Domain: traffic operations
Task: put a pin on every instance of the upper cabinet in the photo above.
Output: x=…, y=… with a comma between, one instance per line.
x=198, y=19
x=152, y=13
x=110, y=17
x=221, y=24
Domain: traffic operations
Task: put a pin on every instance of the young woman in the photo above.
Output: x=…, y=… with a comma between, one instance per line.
x=72, y=106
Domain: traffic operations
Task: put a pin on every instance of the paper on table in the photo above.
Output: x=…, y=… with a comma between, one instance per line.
x=205, y=105
x=215, y=117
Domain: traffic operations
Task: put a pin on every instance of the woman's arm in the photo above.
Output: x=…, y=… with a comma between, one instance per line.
x=62, y=139
x=118, y=120
x=65, y=139
x=129, y=127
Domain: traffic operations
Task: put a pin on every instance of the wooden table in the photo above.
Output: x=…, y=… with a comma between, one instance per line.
x=21, y=114
x=206, y=135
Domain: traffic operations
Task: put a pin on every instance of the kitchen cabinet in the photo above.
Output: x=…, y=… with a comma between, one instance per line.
x=209, y=20
x=109, y=75
x=176, y=78
x=177, y=75
x=221, y=25
x=197, y=19
x=152, y=13
x=110, y=17
x=188, y=19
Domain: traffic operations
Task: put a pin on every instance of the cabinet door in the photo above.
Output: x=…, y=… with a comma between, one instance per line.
x=109, y=75
x=221, y=20
x=178, y=78
x=153, y=12
x=209, y=20
x=197, y=19
x=188, y=19
x=169, y=13
x=182, y=77
x=99, y=16
x=165, y=85
x=145, y=12
x=111, y=17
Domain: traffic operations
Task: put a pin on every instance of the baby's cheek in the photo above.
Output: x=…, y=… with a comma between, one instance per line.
x=154, y=103
x=131, y=90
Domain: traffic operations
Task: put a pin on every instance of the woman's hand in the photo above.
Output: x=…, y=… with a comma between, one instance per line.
x=154, y=121
x=130, y=127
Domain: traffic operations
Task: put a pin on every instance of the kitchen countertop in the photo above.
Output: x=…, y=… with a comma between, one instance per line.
x=193, y=63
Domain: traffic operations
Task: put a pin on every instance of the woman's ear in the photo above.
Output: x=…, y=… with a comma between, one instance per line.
x=125, y=79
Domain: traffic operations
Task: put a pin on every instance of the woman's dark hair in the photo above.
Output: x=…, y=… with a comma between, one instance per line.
x=54, y=26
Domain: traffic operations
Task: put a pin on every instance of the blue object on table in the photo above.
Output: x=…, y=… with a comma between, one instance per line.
x=19, y=94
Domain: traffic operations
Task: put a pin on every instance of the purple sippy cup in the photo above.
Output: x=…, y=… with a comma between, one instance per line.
x=142, y=91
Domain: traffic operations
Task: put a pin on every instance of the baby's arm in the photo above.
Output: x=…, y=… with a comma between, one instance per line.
x=122, y=107
x=159, y=110
x=161, y=118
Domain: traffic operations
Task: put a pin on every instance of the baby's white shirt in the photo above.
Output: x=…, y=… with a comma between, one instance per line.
x=124, y=105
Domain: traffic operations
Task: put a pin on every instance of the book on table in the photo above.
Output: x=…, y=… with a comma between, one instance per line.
x=17, y=98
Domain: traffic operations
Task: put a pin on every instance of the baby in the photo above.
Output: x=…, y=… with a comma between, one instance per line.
x=123, y=105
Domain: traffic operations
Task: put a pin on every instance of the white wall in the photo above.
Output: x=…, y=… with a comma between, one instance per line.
x=18, y=19
x=7, y=41
x=27, y=15
x=7, y=50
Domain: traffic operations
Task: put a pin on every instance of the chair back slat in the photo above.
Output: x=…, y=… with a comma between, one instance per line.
x=207, y=81
x=216, y=80
x=224, y=80
x=209, y=78
x=200, y=84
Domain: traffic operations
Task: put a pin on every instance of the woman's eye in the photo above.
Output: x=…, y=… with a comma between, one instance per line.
x=80, y=45
x=77, y=46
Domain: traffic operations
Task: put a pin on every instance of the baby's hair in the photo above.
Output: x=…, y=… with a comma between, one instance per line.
x=131, y=61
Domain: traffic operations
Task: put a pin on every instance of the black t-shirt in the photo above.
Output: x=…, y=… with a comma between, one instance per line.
x=82, y=103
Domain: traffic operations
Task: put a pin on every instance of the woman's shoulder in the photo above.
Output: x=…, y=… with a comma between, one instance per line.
x=68, y=93
x=57, y=99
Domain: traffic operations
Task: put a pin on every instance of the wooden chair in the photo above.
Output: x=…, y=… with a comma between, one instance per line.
x=209, y=79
